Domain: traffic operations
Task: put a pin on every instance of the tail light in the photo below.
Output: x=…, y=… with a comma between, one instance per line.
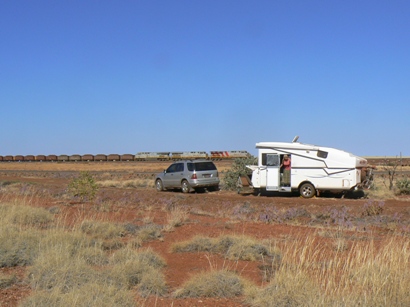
x=194, y=176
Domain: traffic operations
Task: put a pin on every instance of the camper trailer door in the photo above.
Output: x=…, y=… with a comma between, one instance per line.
x=272, y=172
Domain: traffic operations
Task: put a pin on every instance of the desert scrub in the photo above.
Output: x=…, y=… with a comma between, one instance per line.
x=93, y=294
x=18, y=247
x=176, y=217
x=232, y=247
x=83, y=187
x=7, y=280
x=362, y=275
x=138, y=268
x=403, y=186
x=221, y=283
x=58, y=270
x=149, y=232
x=134, y=183
x=102, y=230
x=288, y=288
x=23, y=215
x=238, y=169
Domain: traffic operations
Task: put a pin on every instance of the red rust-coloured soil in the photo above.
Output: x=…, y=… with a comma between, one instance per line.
x=210, y=214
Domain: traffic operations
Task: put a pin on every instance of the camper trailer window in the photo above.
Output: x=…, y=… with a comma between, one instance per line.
x=272, y=160
x=322, y=154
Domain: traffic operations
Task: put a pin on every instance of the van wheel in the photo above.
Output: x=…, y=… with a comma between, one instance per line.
x=158, y=185
x=307, y=190
x=185, y=186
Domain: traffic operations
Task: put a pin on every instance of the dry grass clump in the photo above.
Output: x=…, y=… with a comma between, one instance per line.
x=102, y=230
x=149, y=232
x=359, y=275
x=6, y=280
x=220, y=283
x=142, y=269
x=176, y=217
x=68, y=268
x=288, y=288
x=24, y=215
x=132, y=183
x=59, y=271
x=232, y=247
x=88, y=295
x=18, y=247
x=93, y=255
x=56, y=269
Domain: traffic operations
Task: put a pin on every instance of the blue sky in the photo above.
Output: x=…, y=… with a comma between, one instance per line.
x=149, y=75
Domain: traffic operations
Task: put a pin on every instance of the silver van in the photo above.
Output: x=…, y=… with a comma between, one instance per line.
x=188, y=175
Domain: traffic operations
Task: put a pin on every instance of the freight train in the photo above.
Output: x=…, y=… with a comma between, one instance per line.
x=140, y=156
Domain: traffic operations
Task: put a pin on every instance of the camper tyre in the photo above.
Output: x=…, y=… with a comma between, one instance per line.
x=307, y=190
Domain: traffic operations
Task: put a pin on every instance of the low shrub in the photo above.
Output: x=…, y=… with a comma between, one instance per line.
x=403, y=186
x=372, y=208
x=238, y=169
x=83, y=187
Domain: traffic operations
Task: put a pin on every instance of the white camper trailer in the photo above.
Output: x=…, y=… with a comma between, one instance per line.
x=313, y=169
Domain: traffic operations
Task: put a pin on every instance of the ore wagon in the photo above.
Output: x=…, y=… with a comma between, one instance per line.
x=62, y=158
x=87, y=157
x=29, y=158
x=8, y=158
x=74, y=158
x=127, y=157
x=113, y=157
x=40, y=158
x=51, y=158
x=100, y=157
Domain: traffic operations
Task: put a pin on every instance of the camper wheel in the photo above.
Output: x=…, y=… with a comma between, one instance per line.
x=307, y=190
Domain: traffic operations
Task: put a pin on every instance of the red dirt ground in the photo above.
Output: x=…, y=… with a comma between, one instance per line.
x=211, y=214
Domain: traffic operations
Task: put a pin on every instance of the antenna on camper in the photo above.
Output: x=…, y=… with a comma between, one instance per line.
x=295, y=139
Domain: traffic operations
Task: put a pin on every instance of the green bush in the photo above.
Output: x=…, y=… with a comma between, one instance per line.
x=83, y=187
x=238, y=169
x=403, y=186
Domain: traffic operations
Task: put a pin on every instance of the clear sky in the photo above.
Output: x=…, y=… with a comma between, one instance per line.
x=86, y=76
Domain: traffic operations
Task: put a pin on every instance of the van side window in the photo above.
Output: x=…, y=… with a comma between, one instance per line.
x=264, y=159
x=322, y=154
x=270, y=159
